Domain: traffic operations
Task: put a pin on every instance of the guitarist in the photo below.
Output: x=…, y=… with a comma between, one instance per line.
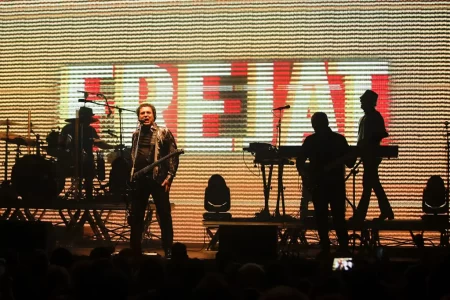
x=150, y=143
x=327, y=152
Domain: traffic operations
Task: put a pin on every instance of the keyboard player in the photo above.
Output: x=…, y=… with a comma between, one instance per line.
x=370, y=133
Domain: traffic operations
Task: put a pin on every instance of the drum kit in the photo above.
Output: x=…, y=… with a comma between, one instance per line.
x=41, y=174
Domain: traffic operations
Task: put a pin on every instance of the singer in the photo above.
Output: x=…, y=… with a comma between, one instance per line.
x=149, y=144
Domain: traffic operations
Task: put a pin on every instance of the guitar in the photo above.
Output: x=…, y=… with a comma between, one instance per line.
x=311, y=177
x=142, y=172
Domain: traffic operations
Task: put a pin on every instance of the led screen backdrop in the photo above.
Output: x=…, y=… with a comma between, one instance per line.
x=216, y=69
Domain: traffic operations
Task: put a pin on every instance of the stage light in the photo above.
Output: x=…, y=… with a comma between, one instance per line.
x=434, y=200
x=435, y=206
x=217, y=199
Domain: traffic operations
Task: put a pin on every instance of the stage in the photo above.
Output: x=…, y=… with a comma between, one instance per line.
x=83, y=226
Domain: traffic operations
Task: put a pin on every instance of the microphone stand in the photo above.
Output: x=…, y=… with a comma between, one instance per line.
x=280, y=195
x=353, y=173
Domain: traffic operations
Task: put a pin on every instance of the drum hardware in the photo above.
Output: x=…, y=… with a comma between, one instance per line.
x=111, y=133
x=100, y=166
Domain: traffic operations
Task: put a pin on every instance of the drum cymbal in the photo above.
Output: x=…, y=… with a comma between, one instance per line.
x=9, y=122
x=17, y=139
x=72, y=120
x=102, y=144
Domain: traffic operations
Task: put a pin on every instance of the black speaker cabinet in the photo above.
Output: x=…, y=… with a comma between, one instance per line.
x=249, y=242
x=25, y=236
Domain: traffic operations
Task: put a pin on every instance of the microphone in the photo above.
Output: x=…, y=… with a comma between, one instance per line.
x=446, y=123
x=141, y=121
x=111, y=133
x=86, y=94
x=100, y=95
x=282, y=107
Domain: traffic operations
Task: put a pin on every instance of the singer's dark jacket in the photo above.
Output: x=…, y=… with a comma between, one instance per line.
x=165, y=144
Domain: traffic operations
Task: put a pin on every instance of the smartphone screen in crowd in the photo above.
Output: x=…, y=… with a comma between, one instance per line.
x=342, y=264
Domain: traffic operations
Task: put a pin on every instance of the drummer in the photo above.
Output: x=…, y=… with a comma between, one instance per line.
x=87, y=137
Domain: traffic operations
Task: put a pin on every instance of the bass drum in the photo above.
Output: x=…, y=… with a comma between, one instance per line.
x=35, y=178
x=119, y=176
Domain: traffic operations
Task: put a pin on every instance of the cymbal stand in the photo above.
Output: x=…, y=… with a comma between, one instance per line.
x=120, y=109
x=18, y=152
x=6, y=151
x=448, y=164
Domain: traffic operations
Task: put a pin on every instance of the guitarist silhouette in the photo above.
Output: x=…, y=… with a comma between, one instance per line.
x=328, y=153
x=152, y=144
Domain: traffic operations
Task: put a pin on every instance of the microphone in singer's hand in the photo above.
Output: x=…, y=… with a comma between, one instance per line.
x=282, y=107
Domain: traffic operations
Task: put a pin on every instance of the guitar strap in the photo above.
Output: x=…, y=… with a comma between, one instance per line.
x=153, y=147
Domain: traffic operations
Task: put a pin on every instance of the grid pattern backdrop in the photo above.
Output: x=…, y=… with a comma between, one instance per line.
x=216, y=69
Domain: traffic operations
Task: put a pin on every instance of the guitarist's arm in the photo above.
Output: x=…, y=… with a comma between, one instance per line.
x=301, y=158
x=351, y=155
x=300, y=164
x=170, y=144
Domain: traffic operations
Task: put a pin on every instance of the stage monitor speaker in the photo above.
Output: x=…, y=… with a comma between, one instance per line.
x=249, y=242
x=23, y=236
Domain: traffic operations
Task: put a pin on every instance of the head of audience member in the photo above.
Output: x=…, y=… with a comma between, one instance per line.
x=61, y=257
x=179, y=252
x=251, y=276
x=101, y=253
x=283, y=293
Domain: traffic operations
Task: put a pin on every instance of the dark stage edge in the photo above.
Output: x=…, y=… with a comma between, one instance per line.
x=309, y=252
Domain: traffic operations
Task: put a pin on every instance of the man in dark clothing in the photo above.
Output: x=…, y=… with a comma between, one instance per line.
x=328, y=153
x=83, y=152
x=149, y=144
x=371, y=131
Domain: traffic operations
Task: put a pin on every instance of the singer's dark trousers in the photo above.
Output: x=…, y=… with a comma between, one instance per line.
x=143, y=189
